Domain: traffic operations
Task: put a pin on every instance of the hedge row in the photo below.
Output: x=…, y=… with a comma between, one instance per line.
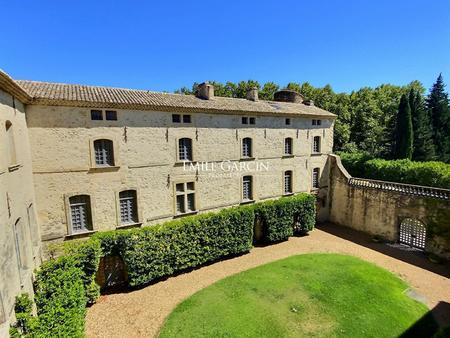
x=66, y=283
x=434, y=174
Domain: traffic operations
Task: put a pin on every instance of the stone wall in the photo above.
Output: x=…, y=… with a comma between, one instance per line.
x=380, y=212
x=145, y=145
x=19, y=231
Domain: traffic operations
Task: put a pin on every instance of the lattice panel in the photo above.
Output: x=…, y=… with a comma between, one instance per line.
x=413, y=233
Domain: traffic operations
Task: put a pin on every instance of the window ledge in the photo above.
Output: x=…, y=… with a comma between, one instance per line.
x=316, y=154
x=186, y=214
x=247, y=202
x=247, y=158
x=80, y=234
x=288, y=156
x=105, y=168
x=129, y=225
x=288, y=194
x=14, y=167
x=180, y=162
x=315, y=190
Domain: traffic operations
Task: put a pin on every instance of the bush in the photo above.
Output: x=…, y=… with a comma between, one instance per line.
x=434, y=174
x=25, y=322
x=60, y=299
x=153, y=252
x=279, y=218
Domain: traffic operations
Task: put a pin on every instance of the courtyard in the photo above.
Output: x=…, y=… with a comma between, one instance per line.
x=143, y=312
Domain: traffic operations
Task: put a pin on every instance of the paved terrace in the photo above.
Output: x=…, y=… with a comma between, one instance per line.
x=141, y=313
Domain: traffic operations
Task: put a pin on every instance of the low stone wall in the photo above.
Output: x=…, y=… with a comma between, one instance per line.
x=378, y=208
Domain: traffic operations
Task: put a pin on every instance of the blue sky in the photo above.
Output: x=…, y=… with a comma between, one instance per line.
x=163, y=45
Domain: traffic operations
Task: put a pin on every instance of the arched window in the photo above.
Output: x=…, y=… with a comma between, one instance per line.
x=247, y=147
x=247, y=188
x=288, y=182
x=316, y=144
x=288, y=146
x=80, y=213
x=10, y=143
x=104, y=153
x=128, y=207
x=185, y=149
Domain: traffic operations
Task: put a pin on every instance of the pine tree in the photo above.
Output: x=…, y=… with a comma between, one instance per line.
x=404, y=130
x=422, y=128
x=438, y=106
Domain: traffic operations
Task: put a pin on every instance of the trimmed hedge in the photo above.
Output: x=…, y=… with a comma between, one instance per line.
x=280, y=217
x=154, y=252
x=66, y=283
x=433, y=174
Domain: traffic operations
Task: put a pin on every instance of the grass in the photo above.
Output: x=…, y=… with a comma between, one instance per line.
x=314, y=295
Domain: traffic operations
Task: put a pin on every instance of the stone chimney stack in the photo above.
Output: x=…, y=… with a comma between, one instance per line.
x=205, y=91
x=309, y=102
x=252, y=94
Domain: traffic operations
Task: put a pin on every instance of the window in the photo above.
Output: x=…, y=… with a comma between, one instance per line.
x=80, y=213
x=247, y=189
x=176, y=118
x=288, y=146
x=128, y=207
x=185, y=149
x=248, y=120
x=252, y=120
x=316, y=122
x=185, y=197
x=18, y=242
x=96, y=115
x=10, y=143
x=111, y=115
x=247, y=147
x=244, y=120
x=104, y=153
x=316, y=144
x=288, y=122
x=288, y=182
x=319, y=122
x=315, y=178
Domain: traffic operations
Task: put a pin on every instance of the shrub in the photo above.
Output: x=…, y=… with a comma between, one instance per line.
x=25, y=322
x=153, y=252
x=280, y=217
x=434, y=174
x=60, y=299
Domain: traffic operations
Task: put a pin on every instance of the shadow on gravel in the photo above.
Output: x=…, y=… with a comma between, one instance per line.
x=426, y=326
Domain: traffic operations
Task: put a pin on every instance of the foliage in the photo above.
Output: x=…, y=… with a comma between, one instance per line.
x=279, y=217
x=312, y=295
x=25, y=322
x=404, y=130
x=434, y=174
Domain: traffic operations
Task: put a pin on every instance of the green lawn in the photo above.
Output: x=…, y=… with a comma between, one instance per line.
x=314, y=295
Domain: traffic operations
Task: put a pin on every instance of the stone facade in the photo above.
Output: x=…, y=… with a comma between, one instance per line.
x=145, y=147
x=20, y=239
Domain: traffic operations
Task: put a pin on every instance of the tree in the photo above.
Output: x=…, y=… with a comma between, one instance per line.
x=268, y=90
x=404, y=130
x=422, y=128
x=437, y=103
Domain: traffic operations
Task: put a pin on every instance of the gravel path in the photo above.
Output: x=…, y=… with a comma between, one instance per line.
x=141, y=313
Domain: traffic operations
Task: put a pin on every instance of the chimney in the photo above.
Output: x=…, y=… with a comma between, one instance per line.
x=205, y=91
x=252, y=94
x=286, y=95
x=309, y=102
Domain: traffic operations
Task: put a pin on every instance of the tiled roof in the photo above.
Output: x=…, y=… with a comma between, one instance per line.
x=10, y=86
x=59, y=94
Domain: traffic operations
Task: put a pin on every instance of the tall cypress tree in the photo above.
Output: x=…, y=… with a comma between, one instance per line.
x=404, y=130
x=422, y=128
x=438, y=106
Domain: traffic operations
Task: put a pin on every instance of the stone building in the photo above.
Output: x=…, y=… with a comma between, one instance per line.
x=79, y=159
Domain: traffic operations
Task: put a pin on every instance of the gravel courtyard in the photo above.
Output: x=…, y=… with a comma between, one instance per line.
x=141, y=313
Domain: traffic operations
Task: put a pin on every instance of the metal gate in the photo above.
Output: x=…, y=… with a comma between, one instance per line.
x=413, y=233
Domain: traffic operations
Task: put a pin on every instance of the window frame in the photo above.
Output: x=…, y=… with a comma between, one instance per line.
x=287, y=121
x=291, y=185
x=97, y=111
x=250, y=148
x=184, y=194
x=70, y=230
x=114, y=112
x=252, y=189
x=319, y=145
x=190, y=153
x=113, y=155
x=289, y=140
x=137, y=212
x=315, y=171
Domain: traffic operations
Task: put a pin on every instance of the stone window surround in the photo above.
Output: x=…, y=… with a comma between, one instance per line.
x=319, y=145
x=139, y=211
x=283, y=192
x=252, y=149
x=253, y=189
x=184, y=180
x=93, y=165
x=291, y=154
x=70, y=232
x=177, y=149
